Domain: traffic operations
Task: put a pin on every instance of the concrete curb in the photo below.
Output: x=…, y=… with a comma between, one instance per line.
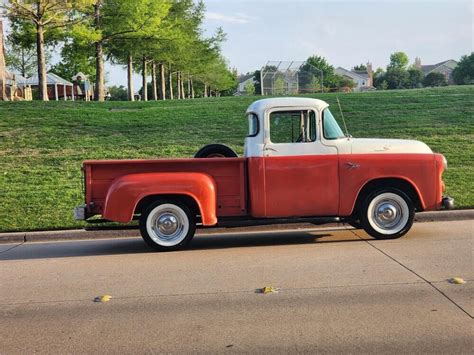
x=82, y=234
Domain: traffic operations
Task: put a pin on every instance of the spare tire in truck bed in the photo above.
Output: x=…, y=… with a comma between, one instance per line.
x=215, y=150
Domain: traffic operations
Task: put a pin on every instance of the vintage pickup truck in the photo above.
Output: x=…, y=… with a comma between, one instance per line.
x=298, y=166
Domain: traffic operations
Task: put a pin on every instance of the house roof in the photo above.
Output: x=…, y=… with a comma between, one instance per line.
x=244, y=78
x=429, y=68
x=352, y=74
x=51, y=79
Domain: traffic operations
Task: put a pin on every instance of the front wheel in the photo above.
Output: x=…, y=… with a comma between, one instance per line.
x=167, y=225
x=387, y=213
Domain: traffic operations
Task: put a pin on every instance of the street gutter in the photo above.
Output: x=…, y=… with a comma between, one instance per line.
x=82, y=234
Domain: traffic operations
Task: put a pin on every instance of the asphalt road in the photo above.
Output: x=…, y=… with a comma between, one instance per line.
x=340, y=291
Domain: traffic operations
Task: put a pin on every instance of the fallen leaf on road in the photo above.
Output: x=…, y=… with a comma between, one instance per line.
x=457, y=281
x=104, y=298
x=267, y=289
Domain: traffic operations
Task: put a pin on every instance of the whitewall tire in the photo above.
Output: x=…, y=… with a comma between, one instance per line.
x=167, y=225
x=387, y=213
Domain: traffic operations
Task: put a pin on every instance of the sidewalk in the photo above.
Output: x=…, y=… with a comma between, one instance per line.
x=81, y=234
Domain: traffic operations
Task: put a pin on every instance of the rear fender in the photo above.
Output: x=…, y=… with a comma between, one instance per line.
x=127, y=191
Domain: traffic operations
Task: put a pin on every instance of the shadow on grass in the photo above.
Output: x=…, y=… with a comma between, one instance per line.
x=127, y=246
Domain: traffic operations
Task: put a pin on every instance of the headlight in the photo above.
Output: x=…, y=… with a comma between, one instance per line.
x=445, y=162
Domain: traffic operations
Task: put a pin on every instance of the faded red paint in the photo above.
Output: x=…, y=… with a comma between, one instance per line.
x=127, y=191
x=228, y=173
x=290, y=186
x=409, y=167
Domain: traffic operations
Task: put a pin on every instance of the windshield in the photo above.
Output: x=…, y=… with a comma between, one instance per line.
x=330, y=126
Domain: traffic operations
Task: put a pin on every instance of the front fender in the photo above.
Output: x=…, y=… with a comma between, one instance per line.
x=125, y=193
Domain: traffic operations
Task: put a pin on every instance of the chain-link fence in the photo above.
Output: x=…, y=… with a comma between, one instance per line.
x=290, y=77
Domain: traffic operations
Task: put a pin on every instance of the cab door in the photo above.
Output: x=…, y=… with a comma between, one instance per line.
x=301, y=174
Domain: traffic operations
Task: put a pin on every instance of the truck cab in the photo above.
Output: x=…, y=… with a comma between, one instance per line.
x=298, y=165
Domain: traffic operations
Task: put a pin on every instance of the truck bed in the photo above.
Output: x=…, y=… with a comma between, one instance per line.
x=230, y=175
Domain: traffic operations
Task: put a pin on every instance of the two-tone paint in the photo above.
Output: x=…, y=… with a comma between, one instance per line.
x=320, y=178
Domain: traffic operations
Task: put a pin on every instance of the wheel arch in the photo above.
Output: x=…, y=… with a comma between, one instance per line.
x=186, y=199
x=403, y=184
x=131, y=192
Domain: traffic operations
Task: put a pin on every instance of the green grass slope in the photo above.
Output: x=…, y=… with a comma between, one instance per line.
x=42, y=145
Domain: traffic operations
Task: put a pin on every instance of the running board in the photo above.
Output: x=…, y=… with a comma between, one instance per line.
x=236, y=222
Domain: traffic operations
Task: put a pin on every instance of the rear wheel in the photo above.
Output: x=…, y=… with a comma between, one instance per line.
x=215, y=151
x=387, y=213
x=167, y=225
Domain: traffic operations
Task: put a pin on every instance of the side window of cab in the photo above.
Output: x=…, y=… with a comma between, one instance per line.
x=297, y=126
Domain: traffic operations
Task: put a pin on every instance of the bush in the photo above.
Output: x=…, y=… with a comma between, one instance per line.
x=463, y=74
x=435, y=79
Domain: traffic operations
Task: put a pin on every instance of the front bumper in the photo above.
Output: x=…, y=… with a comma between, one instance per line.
x=80, y=213
x=447, y=202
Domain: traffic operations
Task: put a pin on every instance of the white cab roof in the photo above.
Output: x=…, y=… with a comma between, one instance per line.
x=265, y=104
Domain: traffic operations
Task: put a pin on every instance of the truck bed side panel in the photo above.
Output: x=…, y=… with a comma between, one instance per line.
x=229, y=174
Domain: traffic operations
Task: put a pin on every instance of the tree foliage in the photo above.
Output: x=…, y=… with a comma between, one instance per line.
x=41, y=17
x=464, y=71
x=415, y=78
x=435, y=79
x=398, y=60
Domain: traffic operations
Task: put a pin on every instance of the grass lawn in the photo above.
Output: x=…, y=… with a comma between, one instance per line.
x=42, y=145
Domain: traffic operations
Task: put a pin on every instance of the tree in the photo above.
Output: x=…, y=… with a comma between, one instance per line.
x=435, y=79
x=115, y=20
x=343, y=83
x=315, y=65
x=397, y=75
x=257, y=84
x=118, y=93
x=396, y=78
x=75, y=58
x=360, y=67
x=464, y=71
x=415, y=78
x=43, y=15
x=379, y=78
x=249, y=88
x=398, y=60
x=21, y=59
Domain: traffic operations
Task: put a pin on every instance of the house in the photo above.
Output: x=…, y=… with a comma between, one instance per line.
x=12, y=86
x=58, y=88
x=243, y=81
x=363, y=79
x=83, y=88
x=446, y=68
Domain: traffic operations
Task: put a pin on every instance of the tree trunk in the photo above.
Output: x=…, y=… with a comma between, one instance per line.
x=99, y=94
x=131, y=94
x=99, y=73
x=23, y=63
x=178, y=81
x=42, y=80
x=205, y=90
x=161, y=69
x=153, y=81
x=192, y=88
x=144, y=85
x=170, y=77
x=182, y=87
x=188, y=94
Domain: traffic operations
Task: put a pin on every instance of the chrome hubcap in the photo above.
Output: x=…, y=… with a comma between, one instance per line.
x=167, y=224
x=387, y=214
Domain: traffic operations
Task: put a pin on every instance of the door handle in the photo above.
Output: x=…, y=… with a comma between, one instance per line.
x=273, y=150
x=350, y=165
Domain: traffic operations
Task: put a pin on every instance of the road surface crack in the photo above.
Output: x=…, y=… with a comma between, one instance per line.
x=412, y=271
x=13, y=247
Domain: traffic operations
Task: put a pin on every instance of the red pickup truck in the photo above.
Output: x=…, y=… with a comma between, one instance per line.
x=298, y=165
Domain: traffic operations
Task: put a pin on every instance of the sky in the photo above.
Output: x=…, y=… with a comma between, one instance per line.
x=346, y=33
